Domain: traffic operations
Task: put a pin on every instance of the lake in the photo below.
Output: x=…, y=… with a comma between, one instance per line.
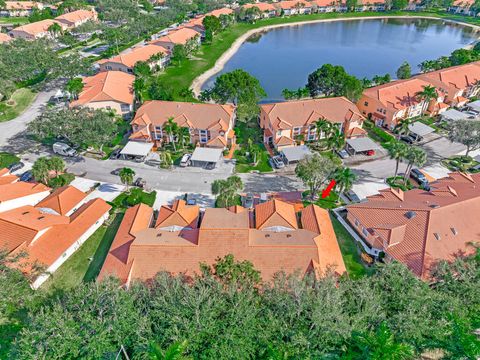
x=284, y=57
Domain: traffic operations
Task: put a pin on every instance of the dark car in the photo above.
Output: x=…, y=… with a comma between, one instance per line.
x=210, y=166
x=116, y=172
x=16, y=166
x=419, y=177
x=115, y=154
x=27, y=176
x=190, y=199
x=140, y=183
x=408, y=139
x=350, y=195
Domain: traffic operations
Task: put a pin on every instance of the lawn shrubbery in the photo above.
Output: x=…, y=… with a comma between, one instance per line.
x=7, y=159
x=378, y=134
x=134, y=197
x=460, y=163
x=61, y=180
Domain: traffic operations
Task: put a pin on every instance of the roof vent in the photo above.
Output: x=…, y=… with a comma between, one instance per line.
x=41, y=217
x=454, y=231
x=434, y=206
x=159, y=235
x=25, y=212
x=437, y=236
x=410, y=214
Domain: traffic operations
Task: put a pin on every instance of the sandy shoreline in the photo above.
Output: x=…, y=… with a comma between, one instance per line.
x=227, y=55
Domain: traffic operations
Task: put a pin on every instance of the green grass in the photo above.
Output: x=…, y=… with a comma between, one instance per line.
x=14, y=20
x=7, y=159
x=78, y=267
x=243, y=164
x=377, y=134
x=330, y=202
x=398, y=183
x=17, y=104
x=243, y=132
x=350, y=251
x=135, y=196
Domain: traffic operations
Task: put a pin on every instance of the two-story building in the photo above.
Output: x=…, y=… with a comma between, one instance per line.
x=183, y=36
x=76, y=18
x=36, y=30
x=267, y=10
x=370, y=5
x=20, y=8
x=294, y=7
x=284, y=122
x=209, y=125
x=155, y=56
x=326, y=6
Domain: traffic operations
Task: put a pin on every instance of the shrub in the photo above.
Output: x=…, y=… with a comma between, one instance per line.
x=61, y=180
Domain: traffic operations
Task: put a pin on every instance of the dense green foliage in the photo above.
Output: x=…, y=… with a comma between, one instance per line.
x=222, y=315
x=404, y=71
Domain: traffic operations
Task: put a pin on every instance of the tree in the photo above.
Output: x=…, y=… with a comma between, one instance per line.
x=335, y=139
x=166, y=159
x=465, y=132
x=212, y=25
x=172, y=129
x=428, y=94
x=179, y=53
x=175, y=351
x=397, y=151
x=403, y=127
x=75, y=87
x=183, y=136
x=142, y=69
x=55, y=29
x=404, y=71
x=399, y=4
x=240, y=88
x=226, y=191
x=126, y=176
x=41, y=170
x=159, y=91
x=351, y=4
x=324, y=128
x=314, y=171
x=344, y=178
x=139, y=87
x=56, y=164
x=462, y=56
x=331, y=80
x=414, y=156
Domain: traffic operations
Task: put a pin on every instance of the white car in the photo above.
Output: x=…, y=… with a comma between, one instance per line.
x=185, y=161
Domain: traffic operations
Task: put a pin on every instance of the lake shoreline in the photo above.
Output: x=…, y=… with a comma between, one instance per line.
x=200, y=80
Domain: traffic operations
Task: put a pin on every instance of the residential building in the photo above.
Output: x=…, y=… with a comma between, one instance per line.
x=155, y=56
x=267, y=10
x=388, y=103
x=209, y=125
x=370, y=5
x=20, y=8
x=63, y=201
x=16, y=194
x=463, y=7
x=36, y=30
x=273, y=237
x=294, y=7
x=458, y=83
x=419, y=227
x=219, y=12
x=183, y=36
x=6, y=177
x=285, y=122
x=196, y=24
x=46, y=237
x=325, y=6
x=76, y=18
x=4, y=38
x=110, y=90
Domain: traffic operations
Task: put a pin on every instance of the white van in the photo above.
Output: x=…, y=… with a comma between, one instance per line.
x=63, y=149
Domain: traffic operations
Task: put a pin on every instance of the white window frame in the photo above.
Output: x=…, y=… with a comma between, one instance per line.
x=203, y=136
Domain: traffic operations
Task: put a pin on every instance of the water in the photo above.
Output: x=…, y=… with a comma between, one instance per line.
x=283, y=57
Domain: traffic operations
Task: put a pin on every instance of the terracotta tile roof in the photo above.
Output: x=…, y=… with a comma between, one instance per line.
x=225, y=231
x=20, y=189
x=185, y=114
x=106, y=86
x=456, y=77
x=77, y=16
x=4, y=38
x=178, y=37
x=324, y=3
x=218, y=141
x=284, y=141
x=219, y=12
x=6, y=177
x=418, y=227
x=4, y=171
x=63, y=199
x=292, y=4
x=356, y=131
x=463, y=3
x=286, y=115
x=38, y=27
x=275, y=213
x=179, y=214
x=143, y=53
x=22, y=5
x=264, y=7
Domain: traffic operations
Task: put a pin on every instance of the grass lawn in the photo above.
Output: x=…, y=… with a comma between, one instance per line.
x=78, y=267
x=17, y=104
x=244, y=132
x=330, y=202
x=14, y=20
x=350, y=251
x=243, y=164
x=7, y=159
x=136, y=196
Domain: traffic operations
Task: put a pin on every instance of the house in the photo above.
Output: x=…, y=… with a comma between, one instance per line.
x=183, y=36
x=76, y=18
x=294, y=7
x=15, y=194
x=6, y=177
x=272, y=237
x=36, y=30
x=63, y=201
x=388, y=103
x=458, y=83
x=20, y=8
x=110, y=90
x=370, y=5
x=418, y=227
x=196, y=24
x=155, y=56
x=48, y=238
x=219, y=12
x=209, y=125
x=4, y=38
x=463, y=7
x=285, y=122
x=267, y=10
x=325, y=6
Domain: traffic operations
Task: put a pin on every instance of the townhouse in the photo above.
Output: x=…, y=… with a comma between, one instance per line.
x=418, y=227
x=6, y=177
x=267, y=10
x=76, y=18
x=273, y=237
x=294, y=7
x=20, y=8
x=47, y=236
x=109, y=90
x=371, y=5
x=283, y=123
x=36, y=30
x=157, y=57
x=463, y=7
x=209, y=125
x=184, y=36
x=326, y=6
x=15, y=194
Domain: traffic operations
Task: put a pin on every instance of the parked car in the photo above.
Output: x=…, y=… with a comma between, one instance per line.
x=153, y=162
x=416, y=137
x=63, y=149
x=185, y=161
x=419, y=177
x=248, y=201
x=190, y=199
x=408, y=139
x=210, y=166
x=140, y=182
x=351, y=196
x=277, y=162
x=370, y=152
x=16, y=166
x=115, y=154
x=27, y=176
x=116, y=172
x=343, y=154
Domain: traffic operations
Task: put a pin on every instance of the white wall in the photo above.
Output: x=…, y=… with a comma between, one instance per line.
x=33, y=200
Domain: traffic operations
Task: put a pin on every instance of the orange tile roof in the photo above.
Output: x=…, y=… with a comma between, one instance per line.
x=284, y=141
x=418, y=227
x=178, y=37
x=77, y=16
x=288, y=114
x=275, y=213
x=456, y=77
x=191, y=115
x=179, y=214
x=6, y=177
x=106, y=86
x=143, y=53
x=263, y=7
x=356, y=131
x=292, y=4
x=324, y=3
x=22, y=5
x=219, y=12
x=4, y=38
x=20, y=189
x=63, y=199
x=38, y=27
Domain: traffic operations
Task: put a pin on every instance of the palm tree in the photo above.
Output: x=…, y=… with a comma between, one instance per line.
x=166, y=159
x=324, y=127
x=139, y=87
x=183, y=136
x=56, y=164
x=336, y=139
x=175, y=351
x=126, y=176
x=397, y=151
x=344, y=178
x=227, y=190
x=415, y=156
x=427, y=94
x=171, y=127
x=55, y=29
x=403, y=127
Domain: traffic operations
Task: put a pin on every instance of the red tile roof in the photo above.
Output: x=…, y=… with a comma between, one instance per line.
x=20, y=189
x=63, y=199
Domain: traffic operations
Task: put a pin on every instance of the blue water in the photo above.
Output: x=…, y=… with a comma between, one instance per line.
x=283, y=57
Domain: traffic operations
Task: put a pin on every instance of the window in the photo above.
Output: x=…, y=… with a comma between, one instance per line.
x=296, y=131
x=357, y=222
x=312, y=133
x=125, y=107
x=365, y=232
x=130, y=71
x=203, y=136
x=157, y=133
x=108, y=107
x=108, y=67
